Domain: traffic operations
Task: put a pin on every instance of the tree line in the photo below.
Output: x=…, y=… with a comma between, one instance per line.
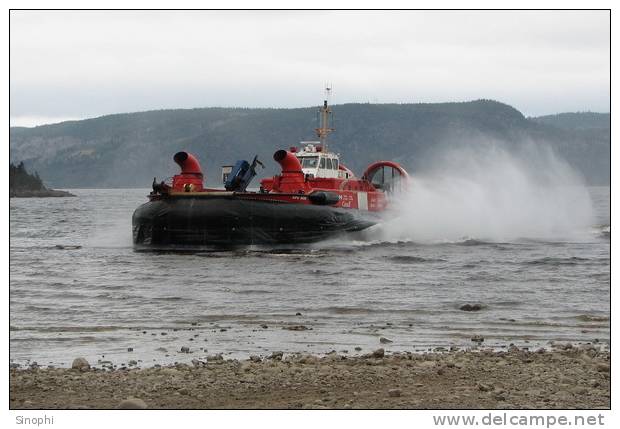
x=19, y=178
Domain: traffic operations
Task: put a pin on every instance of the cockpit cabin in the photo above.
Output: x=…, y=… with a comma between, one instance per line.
x=318, y=163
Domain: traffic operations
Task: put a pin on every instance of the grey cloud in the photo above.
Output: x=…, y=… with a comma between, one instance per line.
x=84, y=64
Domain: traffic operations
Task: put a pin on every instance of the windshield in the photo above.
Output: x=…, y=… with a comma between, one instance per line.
x=309, y=161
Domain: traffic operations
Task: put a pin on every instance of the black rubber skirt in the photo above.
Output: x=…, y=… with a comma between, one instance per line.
x=222, y=221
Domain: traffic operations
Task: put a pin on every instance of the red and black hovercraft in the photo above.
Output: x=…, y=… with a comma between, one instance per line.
x=313, y=198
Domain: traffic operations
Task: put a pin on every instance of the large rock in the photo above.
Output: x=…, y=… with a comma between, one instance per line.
x=132, y=404
x=80, y=364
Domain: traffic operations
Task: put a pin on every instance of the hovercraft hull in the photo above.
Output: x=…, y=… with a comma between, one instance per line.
x=229, y=220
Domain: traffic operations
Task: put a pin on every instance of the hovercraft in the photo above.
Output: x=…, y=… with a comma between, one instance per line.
x=314, y=197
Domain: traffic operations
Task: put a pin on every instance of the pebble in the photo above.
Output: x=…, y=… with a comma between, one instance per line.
x=276, y=355
x=132, y=404
x=296, y=328
x=80, y=364
x=384, y=340
x=379, y=353
x=217, y=356
x=394, y=393
x=483, y=387
x=198, y=363
x=580, y=391
x=602, y=367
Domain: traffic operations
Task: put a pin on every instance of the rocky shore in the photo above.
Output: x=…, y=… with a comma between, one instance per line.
x=565, y=378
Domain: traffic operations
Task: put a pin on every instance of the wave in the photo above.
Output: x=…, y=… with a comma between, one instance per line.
x=366, y=310
x=251, y=291
x=71, y=328
x=603, y=231
x=591, y=318
x=573, y=260
x=408, y=259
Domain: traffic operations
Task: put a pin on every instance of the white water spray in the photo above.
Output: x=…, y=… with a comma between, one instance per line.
x=487, y=193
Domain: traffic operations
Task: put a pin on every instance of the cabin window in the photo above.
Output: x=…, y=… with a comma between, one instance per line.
x=309, y=161
x=322, y=163
x=335, y=164
x=328, y=164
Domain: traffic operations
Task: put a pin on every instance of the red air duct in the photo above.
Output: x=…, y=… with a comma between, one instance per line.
x=188, y=163
x=292, y=179
x=288, y=162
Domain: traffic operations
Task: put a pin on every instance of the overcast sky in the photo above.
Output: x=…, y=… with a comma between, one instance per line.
x=67, y=65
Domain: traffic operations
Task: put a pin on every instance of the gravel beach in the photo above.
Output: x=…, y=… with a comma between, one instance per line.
x=567, y=377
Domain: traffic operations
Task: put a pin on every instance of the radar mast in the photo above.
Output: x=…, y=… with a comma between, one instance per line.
x=325, y=113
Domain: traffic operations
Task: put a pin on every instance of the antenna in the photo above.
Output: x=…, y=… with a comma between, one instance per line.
x=325, y=112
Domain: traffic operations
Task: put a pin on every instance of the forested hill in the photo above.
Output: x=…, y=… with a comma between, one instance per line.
x=576, y=121
x=128, y=150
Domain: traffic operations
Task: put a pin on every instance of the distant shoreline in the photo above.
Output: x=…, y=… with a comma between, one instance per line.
x=45, y=193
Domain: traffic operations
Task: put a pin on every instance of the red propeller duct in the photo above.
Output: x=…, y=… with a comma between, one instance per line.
x=288, y=161
x=188, y=163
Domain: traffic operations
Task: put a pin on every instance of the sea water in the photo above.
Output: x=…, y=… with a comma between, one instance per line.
x=78, y=288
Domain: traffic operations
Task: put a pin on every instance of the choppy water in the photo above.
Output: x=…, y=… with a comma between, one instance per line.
x=101, y=298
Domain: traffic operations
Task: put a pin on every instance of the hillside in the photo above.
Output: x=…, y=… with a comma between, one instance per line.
x=576, y=121
x=128, y=150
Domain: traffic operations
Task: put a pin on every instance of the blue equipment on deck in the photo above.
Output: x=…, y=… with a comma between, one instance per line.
x=241, y=175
